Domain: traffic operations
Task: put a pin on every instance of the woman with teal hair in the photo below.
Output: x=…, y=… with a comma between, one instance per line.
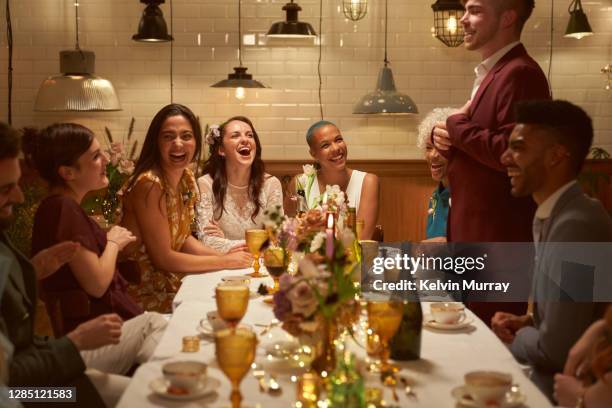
x=329, y=150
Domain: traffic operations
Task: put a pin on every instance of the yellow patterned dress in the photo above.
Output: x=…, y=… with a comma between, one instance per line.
x=157, y=288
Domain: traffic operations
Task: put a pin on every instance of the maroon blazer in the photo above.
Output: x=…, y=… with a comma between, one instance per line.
x=482, y=209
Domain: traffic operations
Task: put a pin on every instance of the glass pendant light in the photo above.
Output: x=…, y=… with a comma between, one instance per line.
x=291, y=27
x=152, y=26
x=355, y=10
x=239, y=79
x=578, y=25
x=77, y=88
x=385, y=99
x=447, y=27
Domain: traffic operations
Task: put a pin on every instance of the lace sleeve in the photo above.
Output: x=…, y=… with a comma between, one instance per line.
x=273, y=194
x=205, y=215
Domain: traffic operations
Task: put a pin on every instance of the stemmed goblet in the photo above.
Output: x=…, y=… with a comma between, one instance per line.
x=235, y=350
x=384, y=319
x=255, y=238
x=232, y=301
x=276, y=262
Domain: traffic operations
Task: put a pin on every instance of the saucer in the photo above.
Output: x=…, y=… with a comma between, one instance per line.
x=512, y=399
x=431, y=323
x=159, y=386
x=205, y=330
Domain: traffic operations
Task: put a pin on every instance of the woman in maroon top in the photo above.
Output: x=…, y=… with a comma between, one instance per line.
x=69, y=158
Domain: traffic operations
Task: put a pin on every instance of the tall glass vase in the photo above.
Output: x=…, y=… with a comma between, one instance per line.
x=325, y=359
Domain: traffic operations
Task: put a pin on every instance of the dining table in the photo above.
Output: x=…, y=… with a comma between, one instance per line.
x=446, y=356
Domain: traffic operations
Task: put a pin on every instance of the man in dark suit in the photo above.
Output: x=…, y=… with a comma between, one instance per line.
x=39, y=361
x=546, y=152
x=481, y=207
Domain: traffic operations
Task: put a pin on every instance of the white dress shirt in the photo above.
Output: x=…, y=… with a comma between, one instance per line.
x=485, y=66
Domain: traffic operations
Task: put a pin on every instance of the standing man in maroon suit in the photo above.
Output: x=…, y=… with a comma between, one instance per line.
x=473, y=139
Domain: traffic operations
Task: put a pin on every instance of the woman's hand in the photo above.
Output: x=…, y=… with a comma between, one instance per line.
x=120, y=236
x=213, y=230
x=237, y=260
x=580, y=351
x=238, y=248
x=567, y=390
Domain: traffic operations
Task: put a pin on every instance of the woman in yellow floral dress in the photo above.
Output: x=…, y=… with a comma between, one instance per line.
x=159, y=208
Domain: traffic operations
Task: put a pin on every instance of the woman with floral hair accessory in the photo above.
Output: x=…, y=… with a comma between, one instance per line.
x=235, y=190
x=328, y=149
x=439, y=203
x=159, y=206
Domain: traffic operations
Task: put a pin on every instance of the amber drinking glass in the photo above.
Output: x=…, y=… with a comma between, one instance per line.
x=275, y=262
x=384, y=318
x=255, y=238
x=232, y=301
x=235, y=351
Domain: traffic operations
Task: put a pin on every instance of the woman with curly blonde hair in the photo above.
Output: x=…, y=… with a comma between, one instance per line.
x=439, y=202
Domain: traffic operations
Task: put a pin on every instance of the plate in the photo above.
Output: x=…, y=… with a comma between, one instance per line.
x=159, y=386
x=514, y=398
x=429, y=322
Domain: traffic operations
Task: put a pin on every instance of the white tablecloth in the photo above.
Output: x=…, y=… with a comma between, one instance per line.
x=446, y=357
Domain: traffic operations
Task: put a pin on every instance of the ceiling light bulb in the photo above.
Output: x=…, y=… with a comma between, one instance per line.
x=240, y=94
x=451, y=24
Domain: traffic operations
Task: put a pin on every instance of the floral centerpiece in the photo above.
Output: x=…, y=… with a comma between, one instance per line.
x=119, y=168
x=320, y=296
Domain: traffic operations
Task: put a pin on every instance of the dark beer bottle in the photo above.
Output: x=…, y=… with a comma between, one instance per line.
x=406, y=344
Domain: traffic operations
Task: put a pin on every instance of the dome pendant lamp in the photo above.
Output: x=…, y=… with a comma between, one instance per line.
x=291, y=27
x=77, y=88
x=152, y=26
x=578, y=25
x=385, y=99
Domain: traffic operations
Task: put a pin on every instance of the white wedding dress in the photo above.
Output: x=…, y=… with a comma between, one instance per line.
x=236, y=217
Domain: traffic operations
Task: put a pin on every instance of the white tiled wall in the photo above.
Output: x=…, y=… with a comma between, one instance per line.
x=205, y=51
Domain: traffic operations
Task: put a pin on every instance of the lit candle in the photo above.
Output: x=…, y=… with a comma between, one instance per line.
x=329, y=239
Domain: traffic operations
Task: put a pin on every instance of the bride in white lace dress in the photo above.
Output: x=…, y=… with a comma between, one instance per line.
x=234, y=190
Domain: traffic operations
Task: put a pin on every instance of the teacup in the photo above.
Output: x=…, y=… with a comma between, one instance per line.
x=186, y=375
x=216, y=322
x=447, y=312
x=487, y=387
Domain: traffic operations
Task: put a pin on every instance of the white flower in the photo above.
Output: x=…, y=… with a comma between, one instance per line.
x=126, y=166
x=339, y=199
x=302, y=181
x=332, y=190
x=317, y=242
x=308, y=170
x=308, y=269
x=213, y=134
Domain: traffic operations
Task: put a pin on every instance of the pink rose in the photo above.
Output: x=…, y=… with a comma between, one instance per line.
x=116, y=147
x=303, y=300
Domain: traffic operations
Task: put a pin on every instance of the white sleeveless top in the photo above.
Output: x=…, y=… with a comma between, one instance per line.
x=353, y=190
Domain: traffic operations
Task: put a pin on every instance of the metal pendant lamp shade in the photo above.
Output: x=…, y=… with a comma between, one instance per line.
x=385, y=99
x=447, y=27
x=239, y=79
x=291, y=27
x=578, y=25
x=152, y=26
x=77, y=88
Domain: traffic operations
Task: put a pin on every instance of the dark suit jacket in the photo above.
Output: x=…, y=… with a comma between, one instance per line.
x=38, y=361
x=560, y=320
x=482, y=209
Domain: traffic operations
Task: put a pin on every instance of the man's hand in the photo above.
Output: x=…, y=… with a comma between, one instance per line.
x=505, y=325
x=98, y=332
x=49, y=260
x=441, y=137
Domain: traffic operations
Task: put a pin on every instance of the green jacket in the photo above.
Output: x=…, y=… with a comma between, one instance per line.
x=37, y=361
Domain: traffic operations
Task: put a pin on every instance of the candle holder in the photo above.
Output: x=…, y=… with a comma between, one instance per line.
x=191, y=344
x=308, y=390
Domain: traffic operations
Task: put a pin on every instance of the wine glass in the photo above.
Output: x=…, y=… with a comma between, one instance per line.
x=232, y=301
x=254, y=239
x=275, y=261
x=235, y=351
x=384, y=319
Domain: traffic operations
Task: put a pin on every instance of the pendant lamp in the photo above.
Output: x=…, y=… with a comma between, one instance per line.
x=447, y=27
x=291, y=27
x=152, y=26
x=239, y=79
x=578, y=25
x=355, y=10
x=385, y=99
x=76, y=88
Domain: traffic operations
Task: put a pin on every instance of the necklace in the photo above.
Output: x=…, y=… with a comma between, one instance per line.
x=238, y=187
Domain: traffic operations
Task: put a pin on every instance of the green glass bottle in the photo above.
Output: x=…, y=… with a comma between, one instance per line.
x=406, y=344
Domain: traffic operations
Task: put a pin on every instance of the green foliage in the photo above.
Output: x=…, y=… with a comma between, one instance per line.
x=20, y=231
